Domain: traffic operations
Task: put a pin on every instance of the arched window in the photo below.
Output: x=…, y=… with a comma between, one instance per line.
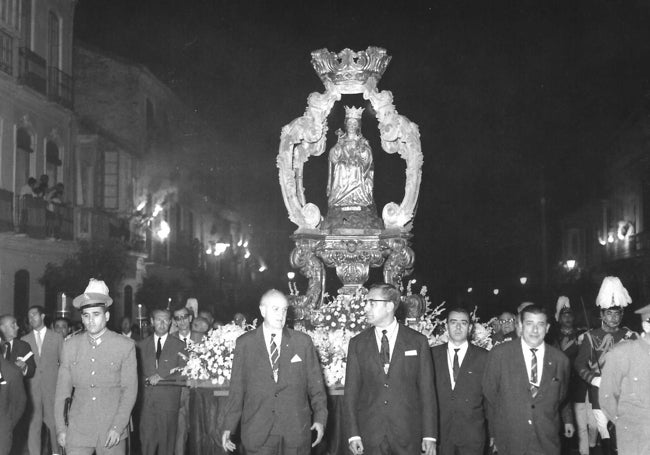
x=23, y=156
x=52, y=161
x=21, y=293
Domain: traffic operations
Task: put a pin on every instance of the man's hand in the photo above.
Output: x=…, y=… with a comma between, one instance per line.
x=22, y=365
x=227, y=444
x=113, y=438
x=596, y=382
x=60, y=438
x=568, y=430
x=493, y=446
x=356, y=447
x=153, y=380
x=428, y=447
x=320, y=431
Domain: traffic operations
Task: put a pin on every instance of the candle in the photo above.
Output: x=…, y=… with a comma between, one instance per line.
x=63, y=302
x=139, y=311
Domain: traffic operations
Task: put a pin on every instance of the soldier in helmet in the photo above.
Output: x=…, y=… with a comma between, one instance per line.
x=595, y=343
x=625, y=391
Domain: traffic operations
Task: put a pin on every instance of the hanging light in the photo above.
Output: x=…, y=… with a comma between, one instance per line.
x=523, y=280
x=495, y=291
x=291, y=275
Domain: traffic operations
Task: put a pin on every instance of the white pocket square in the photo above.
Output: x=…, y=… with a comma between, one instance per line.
x=411, y=353
x=296, y=358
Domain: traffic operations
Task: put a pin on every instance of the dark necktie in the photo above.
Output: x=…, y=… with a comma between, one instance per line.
x=275, y=356
x=533, y=373
x=158, y=351
x=7, y=350
x=384, y=353
x=456, y=366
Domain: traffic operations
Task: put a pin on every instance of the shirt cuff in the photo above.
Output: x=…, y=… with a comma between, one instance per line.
x=429, y=439
x=354, y=438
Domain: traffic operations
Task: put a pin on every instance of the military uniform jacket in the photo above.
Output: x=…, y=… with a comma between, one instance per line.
x=594, y=344
x=625, y=395
x=105, y=382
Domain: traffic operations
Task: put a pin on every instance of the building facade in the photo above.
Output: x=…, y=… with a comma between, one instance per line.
x=37, y=133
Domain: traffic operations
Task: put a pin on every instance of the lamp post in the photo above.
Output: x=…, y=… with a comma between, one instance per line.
x=523, y=280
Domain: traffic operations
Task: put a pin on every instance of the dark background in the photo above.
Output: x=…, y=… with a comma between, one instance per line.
x=515, y=100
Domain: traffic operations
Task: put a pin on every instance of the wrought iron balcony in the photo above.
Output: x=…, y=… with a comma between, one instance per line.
x=31, y=70
x=6, y=53
x=59, y=87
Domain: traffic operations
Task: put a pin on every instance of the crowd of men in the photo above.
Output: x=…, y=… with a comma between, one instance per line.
x=525, y=396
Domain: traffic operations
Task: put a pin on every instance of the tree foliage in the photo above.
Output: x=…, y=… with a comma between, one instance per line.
x=104, y=260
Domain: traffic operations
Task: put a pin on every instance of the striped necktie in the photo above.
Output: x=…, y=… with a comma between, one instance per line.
x=275, y=356
x=533, y=373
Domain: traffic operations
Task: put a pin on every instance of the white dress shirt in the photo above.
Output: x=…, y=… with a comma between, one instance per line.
x=391, y=334
x=162, y=341
x=462, y=350
x=528, y=358
x=40, y=333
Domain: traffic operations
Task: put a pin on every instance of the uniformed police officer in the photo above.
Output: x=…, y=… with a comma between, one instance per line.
x=625, y=391
x=98, y=370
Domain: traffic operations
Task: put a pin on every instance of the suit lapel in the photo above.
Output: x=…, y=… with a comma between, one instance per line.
x=520, y=366
x=262, y=353
x=548, y=369
x=369, y=345
x=286, y=353
x=465, y=367
x=397, y=356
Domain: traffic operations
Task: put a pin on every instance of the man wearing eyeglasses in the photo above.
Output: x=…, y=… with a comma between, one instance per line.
x=390, y=404
x=625, y=390
x=158, y=355
x=507, y=326
x=183, y=318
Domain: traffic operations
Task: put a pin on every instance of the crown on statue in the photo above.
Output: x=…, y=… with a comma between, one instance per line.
x=349, y=70
x=353, y=112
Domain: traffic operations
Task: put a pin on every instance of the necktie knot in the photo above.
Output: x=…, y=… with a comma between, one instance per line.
x=533, y=350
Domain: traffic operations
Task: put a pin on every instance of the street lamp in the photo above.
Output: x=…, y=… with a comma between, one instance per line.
x=495, y=291
x=523, y=280
x=570, y=264
x=469, y=290
x=291, y=275
x=163, y=231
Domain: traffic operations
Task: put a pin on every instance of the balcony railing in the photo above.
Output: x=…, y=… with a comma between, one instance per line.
x=6, y=53
x=31, y=217
x=31, y=70
x=59, y=87
x=99, y=225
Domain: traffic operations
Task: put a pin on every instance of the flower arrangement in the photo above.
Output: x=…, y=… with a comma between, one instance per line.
x=211, y=359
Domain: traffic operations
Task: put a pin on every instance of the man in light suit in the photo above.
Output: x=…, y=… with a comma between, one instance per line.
x=276, y=387
x=525, y=385
x=12, y=402
x=390, y=403
x=100, y=366
x=46, y=345
x=158, y=354
x=459, y=367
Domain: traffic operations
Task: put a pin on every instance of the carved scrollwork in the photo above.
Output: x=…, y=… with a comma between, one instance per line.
x=304, y=258
x=399, y=260
x=398, y=135
x=300, y=139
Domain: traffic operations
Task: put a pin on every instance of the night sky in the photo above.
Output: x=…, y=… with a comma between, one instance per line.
x=514, y=99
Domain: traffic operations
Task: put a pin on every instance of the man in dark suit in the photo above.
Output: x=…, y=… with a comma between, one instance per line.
x=47, y=346
x=276, y=387
x=525, y=385
x=15, y=350
x=390, y=403
x=12, y=402
x=158, y=354
x=459, y=368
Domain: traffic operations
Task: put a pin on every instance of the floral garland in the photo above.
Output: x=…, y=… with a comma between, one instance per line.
x=211, y=359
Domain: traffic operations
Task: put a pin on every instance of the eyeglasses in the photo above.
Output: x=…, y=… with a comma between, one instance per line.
x=506, y=321
x=375, y=300
x=181, y=318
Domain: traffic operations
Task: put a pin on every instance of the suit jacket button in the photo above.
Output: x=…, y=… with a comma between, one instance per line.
x=94, y=398
x=276, y=395
x=386, y=385
x=385, y=401
x=530, y=422
x=532, y=406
